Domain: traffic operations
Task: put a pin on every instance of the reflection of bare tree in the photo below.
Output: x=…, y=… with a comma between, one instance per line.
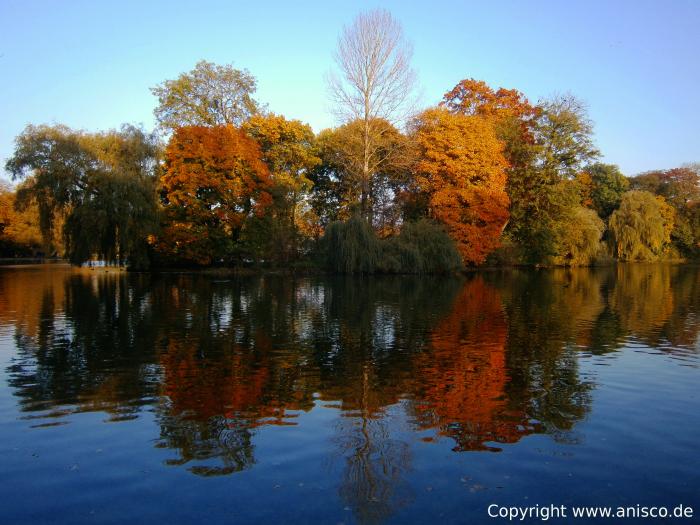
x=367, y=365
x=374, y=463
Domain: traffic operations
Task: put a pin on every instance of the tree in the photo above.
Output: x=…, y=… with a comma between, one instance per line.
x=641, y=227
x=565, y=133
x=101, y=185
x=544, y=145
x=579, y=237
x=462, y=170
x=214, y=181
x=539, y=188
x=606, y=187
x=680, y=187
x=288, y=148
x=374, y=87
x=209, y=95
x=19, y=230
x=340, y=177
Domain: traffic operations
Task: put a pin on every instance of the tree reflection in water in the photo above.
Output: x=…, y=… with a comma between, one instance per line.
x=481, y=361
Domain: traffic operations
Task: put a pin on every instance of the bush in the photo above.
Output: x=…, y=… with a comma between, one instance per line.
x=421, y=247
x=351, y=247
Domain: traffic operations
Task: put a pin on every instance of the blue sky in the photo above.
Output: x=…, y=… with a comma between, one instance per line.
x=90, y=64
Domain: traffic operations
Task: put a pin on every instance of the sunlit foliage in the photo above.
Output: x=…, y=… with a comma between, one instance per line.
x=214, y=180
x=462, y=170
x=579, y=237
x=209, y=95
x=641, y=227
x=289, y=150
x=100, y=184
x=340, y=179
x=19, y=230
x=605, y=186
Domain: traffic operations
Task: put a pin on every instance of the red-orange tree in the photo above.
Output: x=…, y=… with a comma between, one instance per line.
x=214, y=180
x=462, y=171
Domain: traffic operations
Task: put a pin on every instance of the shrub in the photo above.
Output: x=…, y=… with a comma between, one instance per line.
x=421, y=247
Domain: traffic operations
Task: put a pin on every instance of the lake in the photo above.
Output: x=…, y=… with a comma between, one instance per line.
x=186, y=398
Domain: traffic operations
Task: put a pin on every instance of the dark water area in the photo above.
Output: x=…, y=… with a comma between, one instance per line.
x=136, y=398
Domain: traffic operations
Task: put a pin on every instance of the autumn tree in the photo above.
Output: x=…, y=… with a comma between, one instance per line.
x=373, y=87
x=19, y=230
x=566, y=135
x=544, y=145
x=209, y=95
x=214, y=180
x=642, y=226
x=101, y=185
x=340, y=177
x=289, y=149
x=680, y=187
x=462, y=171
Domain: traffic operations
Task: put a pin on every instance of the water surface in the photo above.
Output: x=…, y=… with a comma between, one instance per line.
x=181, y=398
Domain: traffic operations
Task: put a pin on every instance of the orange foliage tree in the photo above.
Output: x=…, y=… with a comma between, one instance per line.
x=475, y=97
x=214, y=179
x=462, y=170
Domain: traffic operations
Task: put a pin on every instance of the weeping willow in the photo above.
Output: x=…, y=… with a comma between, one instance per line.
x=641, y=227
x=421, y=247
x=579, y=238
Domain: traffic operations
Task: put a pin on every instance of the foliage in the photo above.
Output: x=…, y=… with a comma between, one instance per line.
x=351, y=247
x=680, y=187
x=101, y=185
x=214, y=181
x=340, y=178
x=545, y=145
x=579, y=238
x=19, y=230
x=462, y=169
x=420, y=247
x=475, y=97
x=605, y=187
x=289, y=150
x=209, y=95
x=565, y=134
x=641, y=227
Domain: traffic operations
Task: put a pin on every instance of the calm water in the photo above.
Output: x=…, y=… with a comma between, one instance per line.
x=190, y=399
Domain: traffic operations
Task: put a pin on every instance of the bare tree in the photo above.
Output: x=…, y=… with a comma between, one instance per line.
x=374, y=85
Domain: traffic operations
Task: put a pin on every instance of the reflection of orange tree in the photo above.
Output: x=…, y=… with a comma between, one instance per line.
x=216, y=400
x=461, y=380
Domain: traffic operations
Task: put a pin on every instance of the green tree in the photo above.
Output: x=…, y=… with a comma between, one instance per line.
x=565, y=134
x=607, y=185
x=641, y=227
x=209, y=95
x=102, y=185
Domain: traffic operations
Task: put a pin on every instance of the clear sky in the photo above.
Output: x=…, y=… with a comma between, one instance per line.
x=90, y=64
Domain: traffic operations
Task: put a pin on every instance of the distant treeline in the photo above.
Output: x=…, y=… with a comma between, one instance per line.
x=484, y=177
